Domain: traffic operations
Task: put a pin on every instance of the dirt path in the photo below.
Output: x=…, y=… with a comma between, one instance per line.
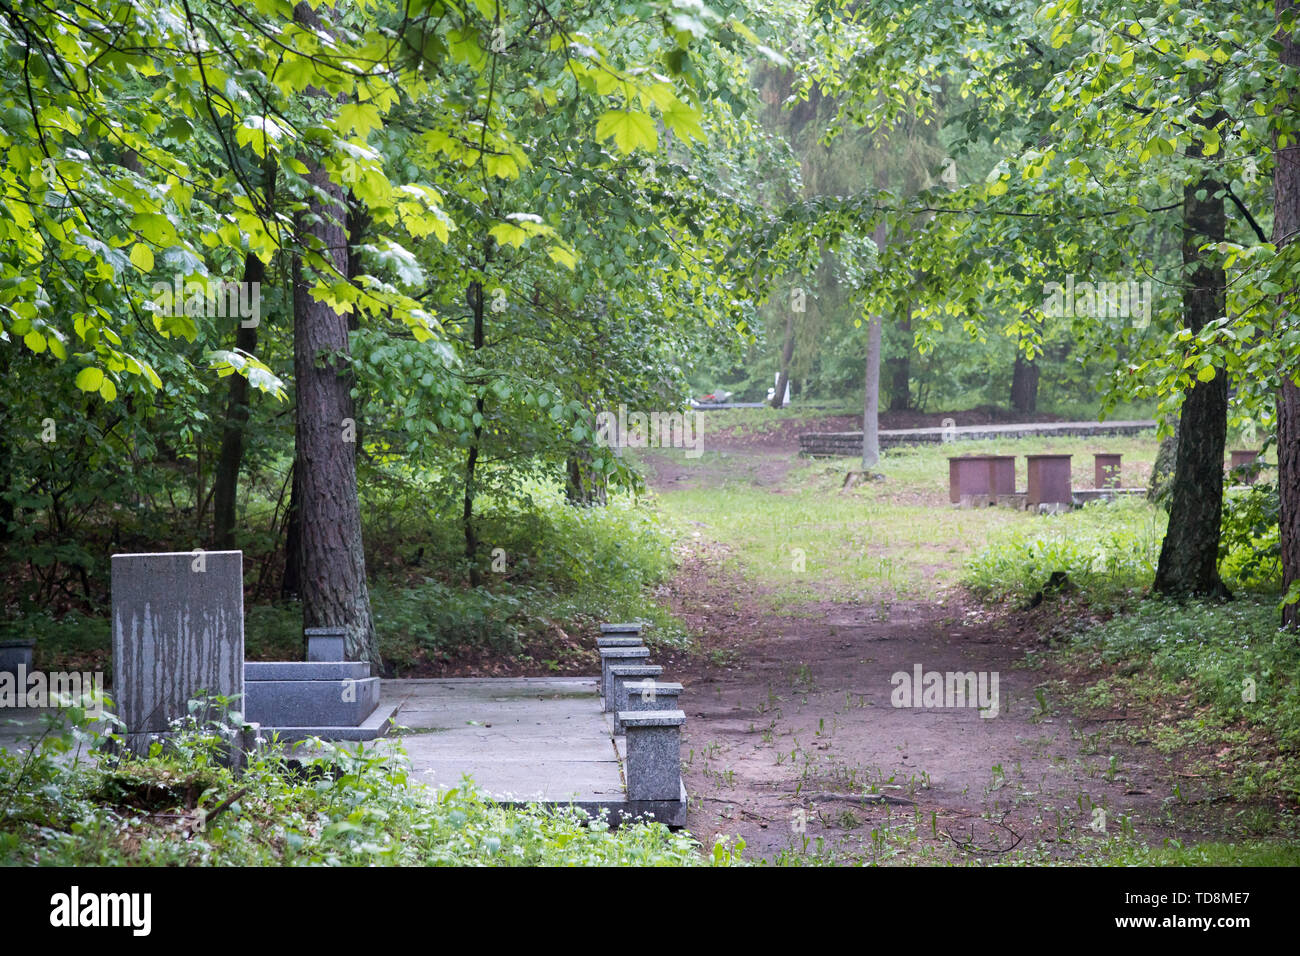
x=790, y=724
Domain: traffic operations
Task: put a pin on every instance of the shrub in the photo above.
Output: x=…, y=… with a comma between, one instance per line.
x=1250, y=552
x=1107, y=549
x=336, y=806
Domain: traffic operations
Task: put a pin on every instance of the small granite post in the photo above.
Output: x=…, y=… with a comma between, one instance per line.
x=178, y=634
x=1107, y=469
x=970, y=479
x=609, y=656
x=621, y=630
x=1049, y=483
x=325, y=643
x=654, y=754
x=621, y=674
x=1247, y=460
x=647, y=694
x=619, y=642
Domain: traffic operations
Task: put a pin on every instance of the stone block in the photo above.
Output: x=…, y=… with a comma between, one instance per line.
x=1106, y=470
x=306, y=670
x=178, y=634
x=1049, y=481
x=654, y=753
x=646, y=694
x=620, y=674
x=1247, y=460
x=325, y=643
x=619, y=642
x=16, y=655
x=610, y=656
x=311, y=703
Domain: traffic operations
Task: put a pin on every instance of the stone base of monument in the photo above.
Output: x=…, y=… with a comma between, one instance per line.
x=297, y=700
x=1082, y=496
x=16, y=656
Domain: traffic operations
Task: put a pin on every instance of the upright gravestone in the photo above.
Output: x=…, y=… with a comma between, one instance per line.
x=178, y=635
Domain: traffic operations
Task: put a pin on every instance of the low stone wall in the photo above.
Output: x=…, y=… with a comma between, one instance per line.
x=849, y=444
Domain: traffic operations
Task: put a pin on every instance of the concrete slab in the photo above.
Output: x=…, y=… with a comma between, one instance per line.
x=521, y=740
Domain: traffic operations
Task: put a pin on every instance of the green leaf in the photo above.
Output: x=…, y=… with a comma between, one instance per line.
x=90, y=379
x=630, y=130
x=142, y=257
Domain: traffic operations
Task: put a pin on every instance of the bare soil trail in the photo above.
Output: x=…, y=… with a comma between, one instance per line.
x=792, y=743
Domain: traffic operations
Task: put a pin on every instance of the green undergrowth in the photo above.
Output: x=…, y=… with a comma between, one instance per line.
x=802, y=536
x=1173, y=853
x=1216, y=686
x=1107, y=549
x=552, y=572
x=64, y=803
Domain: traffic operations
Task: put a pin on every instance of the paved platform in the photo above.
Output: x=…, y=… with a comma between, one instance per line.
x=522, y=740
x=20, y=725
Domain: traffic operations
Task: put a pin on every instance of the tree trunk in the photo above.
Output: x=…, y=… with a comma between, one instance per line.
x=583, y=485
x=226, y=479
x=1189, y=556
x=475, y=297
x=1288, y=489
x=900, y=388
x=1024, y=385
x=333, y=562
x=1162, y=470
x=787, y=353
x=1286, y=220
x=871, y=404
x=289, y=584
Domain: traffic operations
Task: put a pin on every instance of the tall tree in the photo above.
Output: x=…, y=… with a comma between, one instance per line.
x=1286, y=225
x=1189, y=555
x=871, y=401
x=332, y=561
x=226, y=477
x=1024, y=384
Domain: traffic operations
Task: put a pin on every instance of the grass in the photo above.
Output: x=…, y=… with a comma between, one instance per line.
x=1178, y=669
x=1245, y=853
x=1109, y=549
x=804, y=539
x=737, y=422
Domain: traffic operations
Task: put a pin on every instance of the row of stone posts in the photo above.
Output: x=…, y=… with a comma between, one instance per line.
x=645, y=713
